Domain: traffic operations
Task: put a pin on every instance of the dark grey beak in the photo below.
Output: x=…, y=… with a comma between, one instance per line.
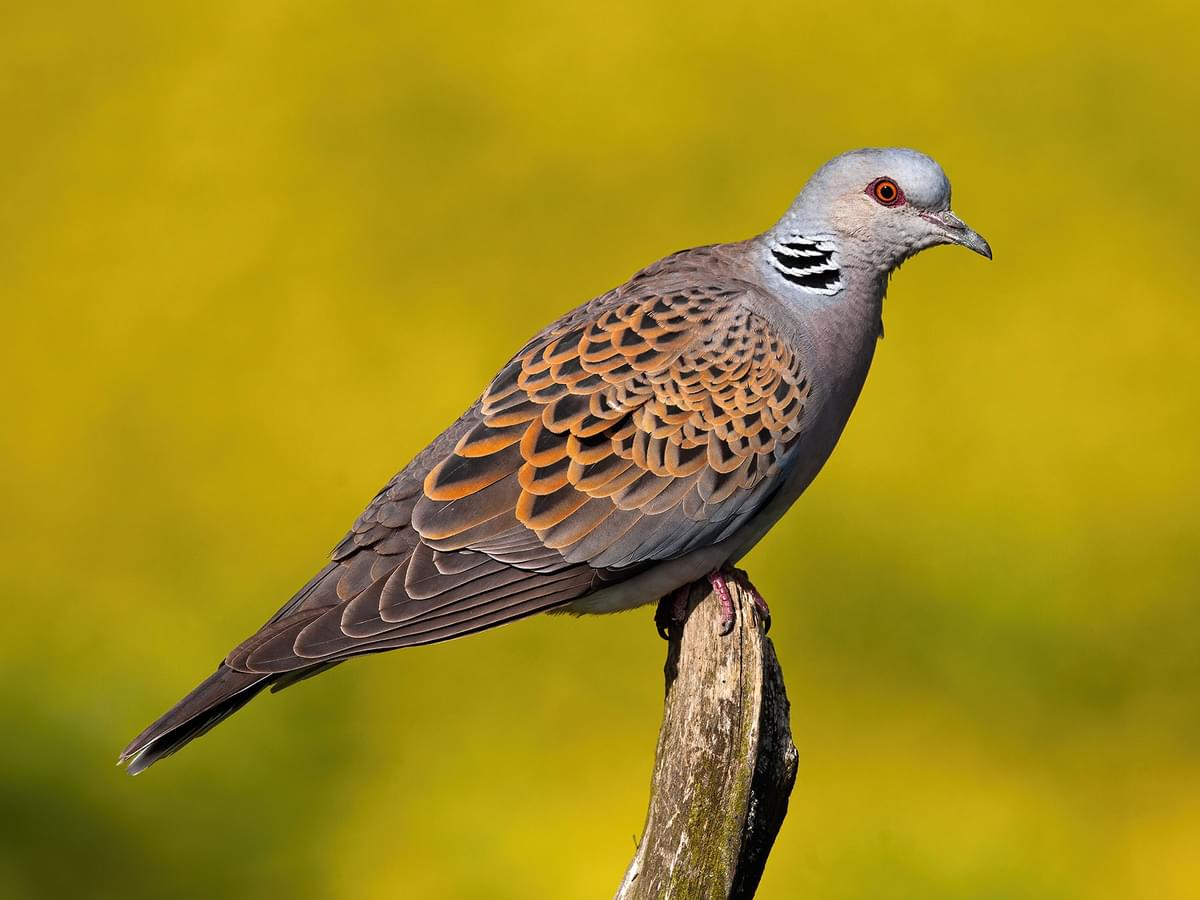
x=957, y=232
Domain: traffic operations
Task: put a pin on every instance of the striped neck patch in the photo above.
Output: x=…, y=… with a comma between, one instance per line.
x=807, y=263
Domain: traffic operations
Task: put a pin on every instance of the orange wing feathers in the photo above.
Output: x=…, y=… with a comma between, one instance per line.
x=659, y=404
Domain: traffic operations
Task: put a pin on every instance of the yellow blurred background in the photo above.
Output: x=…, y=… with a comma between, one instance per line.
x=254, y=254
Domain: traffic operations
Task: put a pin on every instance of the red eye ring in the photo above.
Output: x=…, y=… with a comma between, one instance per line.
x=885, y=192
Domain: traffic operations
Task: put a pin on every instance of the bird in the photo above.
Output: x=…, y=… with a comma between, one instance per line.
x=644, y=441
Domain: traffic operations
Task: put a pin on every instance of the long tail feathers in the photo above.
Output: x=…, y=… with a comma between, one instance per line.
x=218, y=696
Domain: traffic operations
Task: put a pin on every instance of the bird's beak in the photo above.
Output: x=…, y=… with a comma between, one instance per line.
x=958, y=232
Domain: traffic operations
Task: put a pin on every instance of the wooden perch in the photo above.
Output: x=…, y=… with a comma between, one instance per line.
x=725, y=762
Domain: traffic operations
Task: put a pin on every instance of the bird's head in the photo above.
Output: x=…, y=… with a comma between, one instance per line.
x=874, y=206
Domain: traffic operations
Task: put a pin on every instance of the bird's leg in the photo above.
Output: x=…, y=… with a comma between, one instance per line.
x=672, y=610
x=728, y=616
x=760, y=605
x=720, y=585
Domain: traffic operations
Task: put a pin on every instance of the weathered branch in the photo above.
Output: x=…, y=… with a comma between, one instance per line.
x=725, y=762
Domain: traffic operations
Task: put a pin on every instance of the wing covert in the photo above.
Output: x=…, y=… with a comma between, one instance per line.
x=628, y=434
x=650, y=422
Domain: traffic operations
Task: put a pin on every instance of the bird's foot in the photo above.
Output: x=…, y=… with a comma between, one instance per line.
x=672, y=611
x=672, y=608
x=720, y=585
x=721, y=589
x=760, y=605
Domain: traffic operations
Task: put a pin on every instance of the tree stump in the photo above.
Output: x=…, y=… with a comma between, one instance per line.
x=725, y=762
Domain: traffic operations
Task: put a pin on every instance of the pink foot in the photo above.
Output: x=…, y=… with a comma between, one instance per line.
x=672, y=609
x=760, y=605
x=721, y=589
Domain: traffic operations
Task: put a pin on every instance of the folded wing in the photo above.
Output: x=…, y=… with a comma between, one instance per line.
x=651, y=422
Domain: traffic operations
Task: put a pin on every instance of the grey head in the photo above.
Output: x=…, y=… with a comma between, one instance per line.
x=865, y=211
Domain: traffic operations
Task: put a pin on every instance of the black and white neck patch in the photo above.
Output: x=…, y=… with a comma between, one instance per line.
x=807, y=263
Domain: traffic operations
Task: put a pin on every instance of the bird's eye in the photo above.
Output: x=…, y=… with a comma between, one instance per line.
x=886, y=192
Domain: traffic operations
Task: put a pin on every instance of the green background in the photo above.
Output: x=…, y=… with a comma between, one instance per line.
x=254, y=254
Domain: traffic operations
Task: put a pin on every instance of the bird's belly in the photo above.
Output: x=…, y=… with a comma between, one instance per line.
x=652, y=584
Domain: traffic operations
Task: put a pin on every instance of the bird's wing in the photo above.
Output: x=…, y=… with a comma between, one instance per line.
x=649, y=423
x=623, y=436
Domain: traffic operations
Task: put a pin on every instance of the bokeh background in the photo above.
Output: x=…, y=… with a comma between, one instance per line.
x=254, y=254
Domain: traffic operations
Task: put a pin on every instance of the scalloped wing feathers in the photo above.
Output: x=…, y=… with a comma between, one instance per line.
x=652, y=421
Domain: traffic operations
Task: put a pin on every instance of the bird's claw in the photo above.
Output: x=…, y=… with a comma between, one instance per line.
x=760, y=605
x=672, y=608
x=672, y=611
x=662, y=622
x=720, y=584
x=721, y=589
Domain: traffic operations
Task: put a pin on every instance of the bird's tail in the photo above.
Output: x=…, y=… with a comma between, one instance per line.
x=221, y=694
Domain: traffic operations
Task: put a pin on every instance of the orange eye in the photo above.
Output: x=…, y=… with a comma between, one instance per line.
x=886, y=191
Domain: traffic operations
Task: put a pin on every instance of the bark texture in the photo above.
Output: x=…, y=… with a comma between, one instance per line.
x=725, y=762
